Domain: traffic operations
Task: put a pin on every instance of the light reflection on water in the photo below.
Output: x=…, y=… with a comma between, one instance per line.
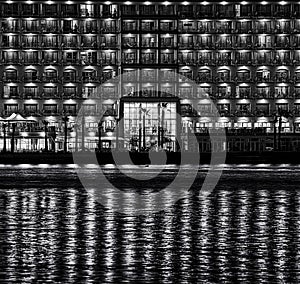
x=247, y=231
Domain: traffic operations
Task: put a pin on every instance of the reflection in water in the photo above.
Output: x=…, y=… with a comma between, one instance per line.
x=247, y=231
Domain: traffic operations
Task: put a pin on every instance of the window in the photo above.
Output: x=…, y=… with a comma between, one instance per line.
x=186, y=92
x=204, y=109
x=204, y=92
x=166, y=10
x=50, y=92
x=225, y=11
x=50, y=10
x=10, y=92
x=69, y=76
x=129, y=25
x=263, y=10
x=243, y=92
x=69, y=109
x=224, y=109
x=30, y=109
x=30, y=75
x=50, y=109
x=50, y=75
x=88, y=91
x=243, y=75
x=69, y=92
x=30, y=92
x=282, y=107
x=243, y=109
x=86, y=10
x=223, y=91
x=263, y=92
x=262, y=110
x=263, y=75
x=11, y=108
x=281, y=91
x=148, y=25
x=223, y=75
x=89, y=109
x=204, y=11
x=297, y=109
x=10, y=75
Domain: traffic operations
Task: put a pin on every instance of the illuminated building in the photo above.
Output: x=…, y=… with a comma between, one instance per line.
x=243, y=55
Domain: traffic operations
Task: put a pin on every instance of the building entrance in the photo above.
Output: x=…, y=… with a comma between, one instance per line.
x=149, y=126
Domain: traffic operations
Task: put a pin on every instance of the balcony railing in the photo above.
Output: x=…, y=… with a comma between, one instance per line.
x=10, y=79
x=12, y=96
x=50, y=112
x=52, y=95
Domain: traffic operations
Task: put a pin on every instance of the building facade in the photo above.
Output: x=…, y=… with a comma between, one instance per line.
x=61, y=56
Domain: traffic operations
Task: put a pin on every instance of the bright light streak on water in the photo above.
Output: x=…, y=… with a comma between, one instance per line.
x=247, y=231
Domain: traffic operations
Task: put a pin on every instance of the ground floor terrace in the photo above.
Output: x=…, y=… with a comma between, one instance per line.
x=233, y=141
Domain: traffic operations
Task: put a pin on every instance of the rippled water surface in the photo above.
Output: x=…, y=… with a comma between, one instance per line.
x=246, y=231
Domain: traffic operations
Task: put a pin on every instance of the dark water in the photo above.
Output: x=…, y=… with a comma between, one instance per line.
x=247, y=231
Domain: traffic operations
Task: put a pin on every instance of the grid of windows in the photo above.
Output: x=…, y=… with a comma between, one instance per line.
x=243, y=55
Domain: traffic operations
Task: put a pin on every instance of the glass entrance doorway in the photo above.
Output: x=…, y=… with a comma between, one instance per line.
x=150, y=126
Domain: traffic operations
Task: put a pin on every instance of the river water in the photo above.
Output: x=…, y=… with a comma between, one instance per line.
x=246, y=231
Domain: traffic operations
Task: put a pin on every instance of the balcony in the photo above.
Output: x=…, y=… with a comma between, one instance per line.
x=70, y=44
x=10, y=29
x=261, y=112
x=110, y=112
x=50, y=112
x=28, y=79
x=31, y=96
x=11, y=61
x=107, y=62
x=50, y=29
x=31, y=112
x=12, y=96
x=8, y=112
x=243, y=113
x=148, y=61
x=264, y=95
x=69, y=112
x=51, y=95
x=69, y=95
x=10, y=79
x=186, y=45
x=129, y=61
x=48, y=79
x=243, y=79
x=204, y=79
x=109, y=45
x=90, y=79
x=51, y=45
x=186, y=61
